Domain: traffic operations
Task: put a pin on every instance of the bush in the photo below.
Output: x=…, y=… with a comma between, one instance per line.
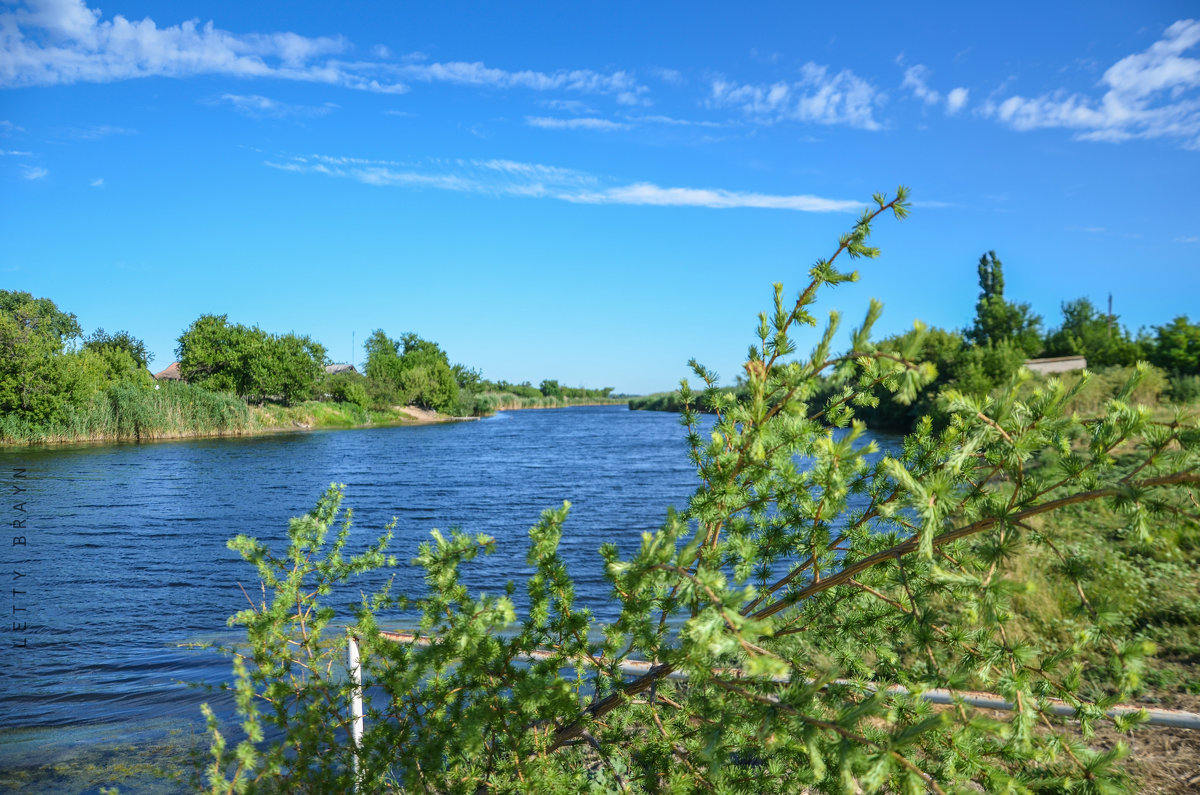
x=863, y=579
x=1184, y=388
x=348, y=388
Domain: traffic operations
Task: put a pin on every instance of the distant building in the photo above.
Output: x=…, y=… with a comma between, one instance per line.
x=169, y=374
x=334, y=369
x=1056, y=364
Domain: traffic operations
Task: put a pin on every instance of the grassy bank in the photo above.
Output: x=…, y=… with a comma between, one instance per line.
x=491, y=402
x=138, y=412
x=317, y=414
x=135, y=412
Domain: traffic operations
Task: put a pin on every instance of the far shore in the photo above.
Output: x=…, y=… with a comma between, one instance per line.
x=292, y=420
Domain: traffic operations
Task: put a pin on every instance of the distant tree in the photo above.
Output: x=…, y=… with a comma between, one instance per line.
x=550, y=388
x=300, y=365
x=1085, y=331
x=101, y=341
x=253, y=364
x=40, y=315
x=468, y=378
x=998, y=320
x=418, y=370
x=383, y=358
x=40, y=374
x=1175, y=346
x=211, y=354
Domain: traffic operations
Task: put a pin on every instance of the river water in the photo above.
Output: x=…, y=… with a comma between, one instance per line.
x=124, y=557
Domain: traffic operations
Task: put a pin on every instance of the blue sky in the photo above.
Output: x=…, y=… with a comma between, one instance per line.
x=589, y=193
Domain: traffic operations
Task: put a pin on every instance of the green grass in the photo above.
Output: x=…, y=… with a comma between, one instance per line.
x=491, y=402
x=138, y=412
x=319, y=414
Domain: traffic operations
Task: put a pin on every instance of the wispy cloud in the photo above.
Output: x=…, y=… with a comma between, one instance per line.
x=48, y=42
x=620, y=84
x=576, y=123
x=514, y=178
x=916, y=80
x=1188, y=239
x=1151, y=94
x=569, y=106
x=97, y=183
x=97, y=131
x=672, y=77
x=14, y=153
x=7, y=126
x=818, y=96
x=672, y=121
x=259, y=107
x=33, y=172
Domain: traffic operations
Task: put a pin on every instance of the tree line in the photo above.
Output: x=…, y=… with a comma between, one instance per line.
x=1005, y=333
x=52, y=376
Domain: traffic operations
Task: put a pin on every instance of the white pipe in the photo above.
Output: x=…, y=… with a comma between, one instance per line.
x=354, y=665
x=1159, y=717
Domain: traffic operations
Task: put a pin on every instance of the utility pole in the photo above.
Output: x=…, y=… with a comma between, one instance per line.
x=1110, y=315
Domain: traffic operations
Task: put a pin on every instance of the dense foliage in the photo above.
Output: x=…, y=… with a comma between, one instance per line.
x=811, y=591
x=253, y=364
x=412, y=371
x=50, y=379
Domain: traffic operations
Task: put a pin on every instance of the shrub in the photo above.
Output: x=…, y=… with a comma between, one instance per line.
x=862, y=579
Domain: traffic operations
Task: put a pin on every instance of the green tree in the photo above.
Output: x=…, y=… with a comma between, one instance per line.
x=1175, y=346
x=40, y=375
x=417, y=371
x=550, y=388
x=253, y=364
x=101, y=342
x=211, y=354
x=998, y=320
x=812, y=590
x=1087, y=332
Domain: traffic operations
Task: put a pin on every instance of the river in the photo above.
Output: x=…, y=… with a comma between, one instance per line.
x=124, y=557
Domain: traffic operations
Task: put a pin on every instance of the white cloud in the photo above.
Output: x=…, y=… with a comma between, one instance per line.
x=915, y=80
x=33, y=172
x=648, y=193
x=672, y=77
x=659, y=119
x=578, y=123
x=585, y=81
x=98, y=131
x=1188, y=239
x=98, y=182
x=955, y=100
x=7, y=126
x=818, y=96
x=1151, y=94
x=48, y=42
x=257, y=107
x=15, y=153
x=569, y=105
x=514, y=178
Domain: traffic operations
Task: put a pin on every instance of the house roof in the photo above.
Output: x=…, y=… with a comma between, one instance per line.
x=171, y=373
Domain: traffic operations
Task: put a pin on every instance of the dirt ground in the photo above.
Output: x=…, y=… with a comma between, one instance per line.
x=1163, y=760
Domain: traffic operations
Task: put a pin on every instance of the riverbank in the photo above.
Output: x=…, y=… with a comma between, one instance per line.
x=491, y=402
x=177, y=411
